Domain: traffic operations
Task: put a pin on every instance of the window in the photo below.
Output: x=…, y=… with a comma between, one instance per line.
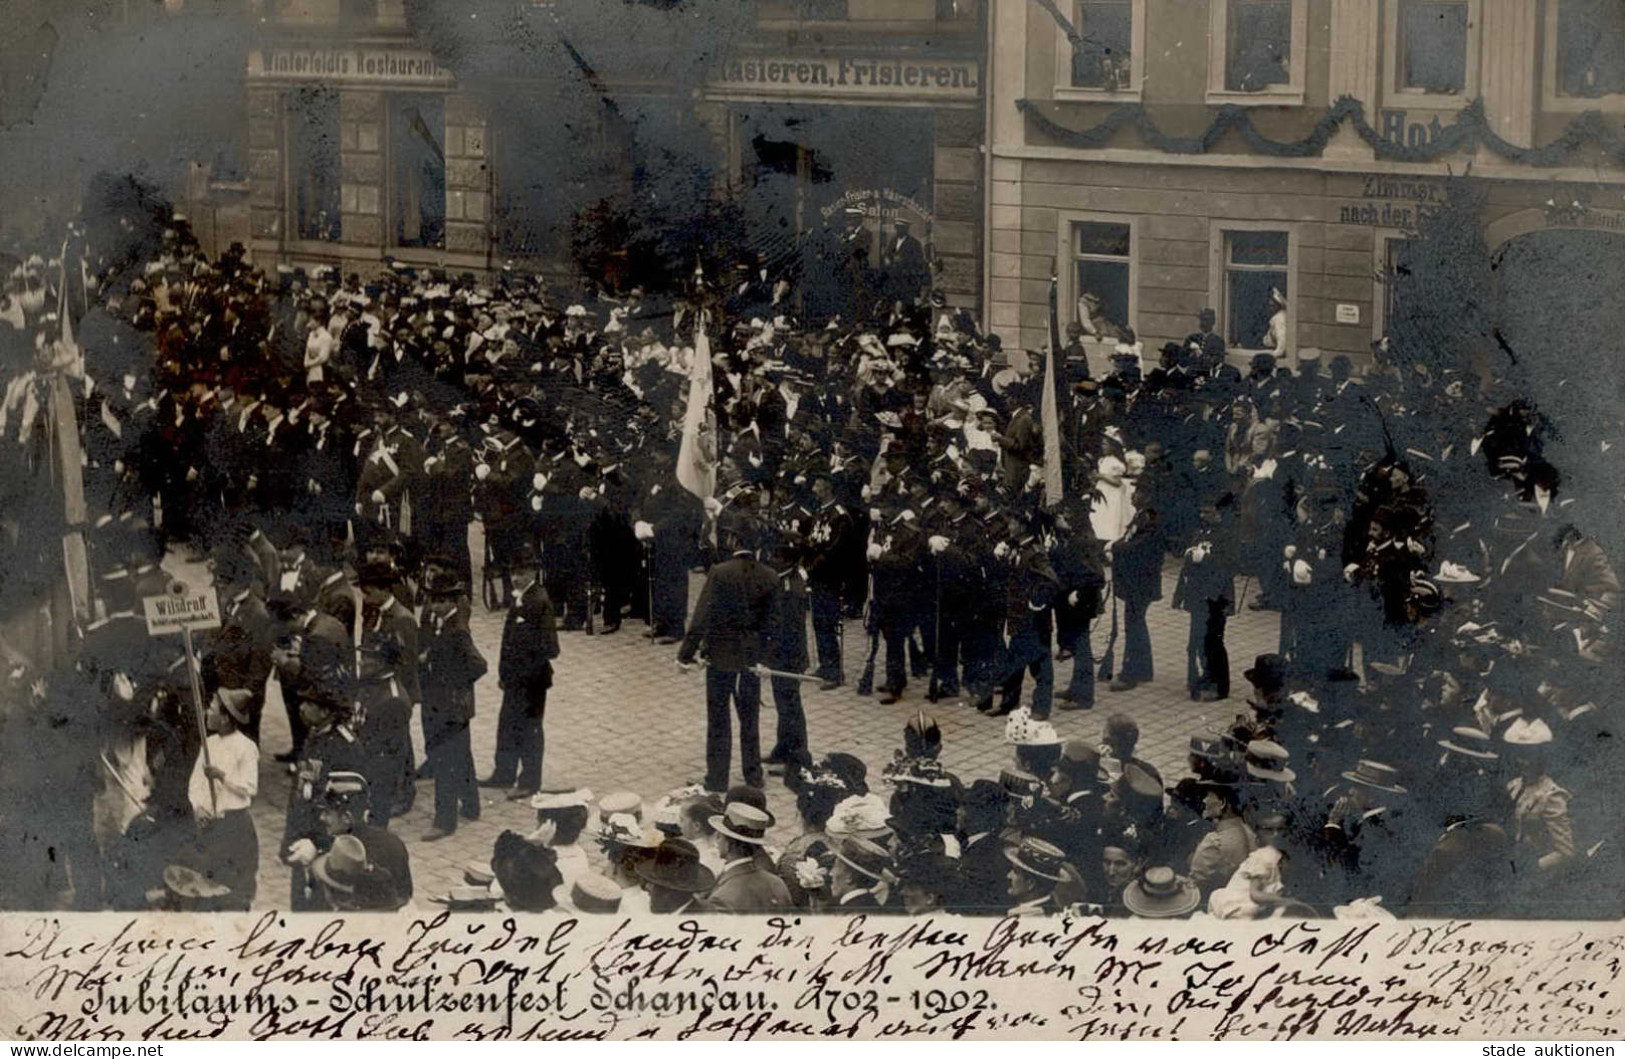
x=1394, y=271
x=1110, y=57
x=1258, y=45
x=1590, y=38
x=1435, y=45
x=1098, y=274
x=313, y=163
x=1101, y=272
x=1258, y=50
x=1432, y=54
x=417, y=131
x=1104, y=58
x=1255, y=288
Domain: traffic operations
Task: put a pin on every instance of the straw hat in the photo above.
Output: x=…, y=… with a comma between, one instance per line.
x=1160, y=894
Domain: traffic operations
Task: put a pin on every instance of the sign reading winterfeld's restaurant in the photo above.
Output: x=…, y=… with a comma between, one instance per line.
x=889, y=78
x=383, y=66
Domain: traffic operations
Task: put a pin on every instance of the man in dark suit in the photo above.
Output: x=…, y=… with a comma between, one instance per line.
x=787, y=653
x=731, y=620
x=904, y=261
x=744, y=885
x=530, y=642
x=450, y=667
x=669, y=525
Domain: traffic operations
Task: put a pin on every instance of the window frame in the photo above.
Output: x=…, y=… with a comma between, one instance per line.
x=1417, y=99
x=293, y=233
x=1065, y=89
x=1218, y=276
x=1067, y=277
x=1380, y=240
x=1551, y=101
x=1289, y=94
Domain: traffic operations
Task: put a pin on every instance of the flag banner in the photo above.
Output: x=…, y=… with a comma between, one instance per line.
x=1051, y=417
x=697, y=453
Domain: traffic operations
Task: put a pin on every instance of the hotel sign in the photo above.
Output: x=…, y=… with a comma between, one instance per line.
x=931, y=80
x=358, y=65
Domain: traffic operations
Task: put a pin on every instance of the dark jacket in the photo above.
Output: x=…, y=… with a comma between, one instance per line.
x=530, y=641
x=787, y=626
x=449, y=667
x=732, y=615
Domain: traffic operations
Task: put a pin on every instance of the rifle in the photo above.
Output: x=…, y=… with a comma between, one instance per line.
x=866, y=682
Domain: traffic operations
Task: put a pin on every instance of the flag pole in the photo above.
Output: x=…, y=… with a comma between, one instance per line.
x=1051, y=419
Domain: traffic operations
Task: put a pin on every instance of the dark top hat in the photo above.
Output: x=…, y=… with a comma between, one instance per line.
x=1267, y=673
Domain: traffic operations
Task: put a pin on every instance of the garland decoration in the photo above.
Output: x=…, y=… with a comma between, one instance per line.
x=1470, y=128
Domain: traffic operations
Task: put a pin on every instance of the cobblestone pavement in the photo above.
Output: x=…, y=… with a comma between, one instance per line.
x=622, y=716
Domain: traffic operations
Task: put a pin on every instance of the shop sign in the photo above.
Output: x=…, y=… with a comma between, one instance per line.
x=928, y=79
x=1393, y=202
x=373, y=66
x=883, y=204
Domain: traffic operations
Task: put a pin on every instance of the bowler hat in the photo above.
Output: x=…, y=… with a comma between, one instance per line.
x=1267, y=673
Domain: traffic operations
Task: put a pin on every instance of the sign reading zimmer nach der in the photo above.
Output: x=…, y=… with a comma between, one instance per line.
x=945, y=79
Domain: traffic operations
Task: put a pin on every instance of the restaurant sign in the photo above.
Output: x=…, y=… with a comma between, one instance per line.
x=929, y=79
x=358, y=65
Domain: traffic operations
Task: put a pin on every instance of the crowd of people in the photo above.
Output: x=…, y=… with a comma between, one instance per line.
x=1426, y=739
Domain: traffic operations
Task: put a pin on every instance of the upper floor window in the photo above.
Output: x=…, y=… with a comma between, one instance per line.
x=1590, y=36
x=1259, y=49
x=1108, y=57
x=1432, y=48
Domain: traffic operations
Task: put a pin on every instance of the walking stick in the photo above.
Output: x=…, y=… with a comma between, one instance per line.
x=1105, y=671
x=866, y=681
x=1246, y=583
x=649, y=583
x=933, y=690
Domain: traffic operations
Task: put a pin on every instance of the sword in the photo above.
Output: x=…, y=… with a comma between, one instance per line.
x=805, y=678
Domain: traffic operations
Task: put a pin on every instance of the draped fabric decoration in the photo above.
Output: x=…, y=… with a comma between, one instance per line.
x=1470, y=129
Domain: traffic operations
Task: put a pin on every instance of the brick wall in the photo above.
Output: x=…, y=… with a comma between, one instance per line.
x=361, y=149
x=468, y=176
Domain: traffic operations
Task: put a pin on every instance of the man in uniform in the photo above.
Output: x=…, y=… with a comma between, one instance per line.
x=827, y=576
x=731, y=621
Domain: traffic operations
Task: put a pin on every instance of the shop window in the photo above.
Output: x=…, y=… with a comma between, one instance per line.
x=313, y=162
x=417, y=133
x=1101, y=298
x=1590, y=39
x=1104, y=59
x=1260, y=47
x=1255, y=288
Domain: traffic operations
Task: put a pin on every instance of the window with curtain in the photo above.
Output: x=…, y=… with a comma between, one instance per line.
x=1104, y=59
x=313, y=162
x=1590, y=48
x=417, y=135
x=1258, y=45
x=1255, y=286
x=1101, y=256
x=1433, y=46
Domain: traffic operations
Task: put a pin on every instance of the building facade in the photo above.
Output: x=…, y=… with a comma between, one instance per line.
x=361, y=145
x=1271, y=159
x=878, y=105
